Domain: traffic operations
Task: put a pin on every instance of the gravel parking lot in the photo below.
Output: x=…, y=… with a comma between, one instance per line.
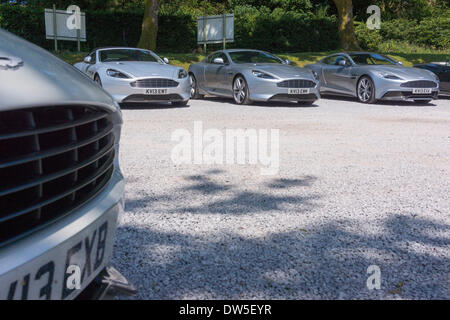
x=358, y=185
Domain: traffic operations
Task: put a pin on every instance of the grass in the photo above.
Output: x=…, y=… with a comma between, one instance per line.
x=405, y=53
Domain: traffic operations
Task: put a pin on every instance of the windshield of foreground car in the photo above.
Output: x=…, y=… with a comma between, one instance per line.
x=254, y=57
x=114, y=55
x=372, y=59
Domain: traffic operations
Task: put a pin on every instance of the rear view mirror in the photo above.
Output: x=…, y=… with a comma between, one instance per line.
x=88, y=60
x=218, y=61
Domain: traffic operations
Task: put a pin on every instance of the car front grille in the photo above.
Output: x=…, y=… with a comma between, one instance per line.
x=419, y=84
x=52, y=161
x=297, y=83
x=154, y=83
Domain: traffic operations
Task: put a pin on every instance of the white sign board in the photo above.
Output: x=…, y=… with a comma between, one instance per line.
x=62, y=30
x=210, y=29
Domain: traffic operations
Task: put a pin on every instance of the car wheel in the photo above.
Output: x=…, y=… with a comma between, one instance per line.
x=240, y=91
x=180, y=103
x=366, y=90
x=98, y=80
x=194, y=88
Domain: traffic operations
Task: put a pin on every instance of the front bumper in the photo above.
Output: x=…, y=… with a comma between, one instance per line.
x=27, y=260
x=268, y=90
x=408, y=95
x=122, y=91
x=402, y=90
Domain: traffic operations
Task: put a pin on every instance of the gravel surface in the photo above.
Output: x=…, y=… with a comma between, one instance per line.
x=358, y=185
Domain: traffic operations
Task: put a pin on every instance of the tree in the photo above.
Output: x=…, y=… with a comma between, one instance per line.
x=149, y=25
x=345, y=28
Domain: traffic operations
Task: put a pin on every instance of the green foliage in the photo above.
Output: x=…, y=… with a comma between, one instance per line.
x=431, y=32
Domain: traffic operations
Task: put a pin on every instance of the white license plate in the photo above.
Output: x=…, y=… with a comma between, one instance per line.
x=155, y=91
x=298, y=91
x=46, y=276
x=422, y=91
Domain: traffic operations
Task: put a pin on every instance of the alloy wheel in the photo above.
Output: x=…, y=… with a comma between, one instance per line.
x=365, y=90
x=239, y=90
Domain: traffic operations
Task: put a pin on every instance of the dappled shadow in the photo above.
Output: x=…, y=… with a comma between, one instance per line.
x=269, y=104
x=286, y=183
x=379, y=102
x=140, y=106
x=322, y=262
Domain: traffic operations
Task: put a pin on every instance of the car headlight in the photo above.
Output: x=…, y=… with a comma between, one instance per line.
x=315, y=75
x=261, y=74
x=389, y=76
x=116, y=74
x=182, y=74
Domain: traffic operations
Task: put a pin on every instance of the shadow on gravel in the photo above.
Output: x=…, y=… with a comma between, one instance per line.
x=386, y=103
x=151, y=106
x=325, y=260
x=271, y=104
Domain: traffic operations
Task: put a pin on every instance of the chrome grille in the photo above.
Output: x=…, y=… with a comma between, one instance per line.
x=419, y=84
x=297, y=83
x=52, y=160
x=154, y=83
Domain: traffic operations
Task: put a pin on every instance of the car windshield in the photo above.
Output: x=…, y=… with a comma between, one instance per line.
x=128, y=55
x=254, y=57
x=372, y=59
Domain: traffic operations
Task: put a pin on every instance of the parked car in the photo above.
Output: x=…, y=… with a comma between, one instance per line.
x=61, y=186
x=136, y=75
x=442, y=70
x=252, y=75
x=371, y=77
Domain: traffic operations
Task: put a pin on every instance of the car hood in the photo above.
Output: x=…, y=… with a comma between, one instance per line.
x=141, y=69
x=35, y=77
x=282, y=71
x=404, y=72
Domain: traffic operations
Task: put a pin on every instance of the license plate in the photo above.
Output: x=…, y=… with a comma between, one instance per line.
x=46, y=277
x=155, y=91
x=422, y=91
x=298, y=91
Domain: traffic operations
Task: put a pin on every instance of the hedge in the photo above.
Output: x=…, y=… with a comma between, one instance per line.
x=254, y=28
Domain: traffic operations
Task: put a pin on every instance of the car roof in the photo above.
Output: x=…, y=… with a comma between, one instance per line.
x=112, y=48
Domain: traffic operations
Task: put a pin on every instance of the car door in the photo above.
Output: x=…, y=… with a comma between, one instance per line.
x=337, y=77
x=212, y=73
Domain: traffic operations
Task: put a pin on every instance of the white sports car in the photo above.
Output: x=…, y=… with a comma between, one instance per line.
x=136, y=75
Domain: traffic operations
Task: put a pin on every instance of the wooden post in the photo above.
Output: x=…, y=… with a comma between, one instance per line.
x=204, y=34
x=55, y=28
x=224, y=31
x=79, y=39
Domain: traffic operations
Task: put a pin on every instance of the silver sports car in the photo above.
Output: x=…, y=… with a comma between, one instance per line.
x=136, y=75
x=252, y=75
x=371, y=77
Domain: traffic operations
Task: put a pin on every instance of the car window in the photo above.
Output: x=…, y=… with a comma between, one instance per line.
x=128, y=55
x=93, y=56
x=372, y=59
x=254, y=57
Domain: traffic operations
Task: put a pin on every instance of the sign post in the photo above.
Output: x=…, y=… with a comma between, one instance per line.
x=215, y=29
x=68, y=25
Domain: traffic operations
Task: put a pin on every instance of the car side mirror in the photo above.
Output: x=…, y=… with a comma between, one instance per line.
x=166, y=61
x=88, y=59
x=218, y=61
x=343, y=63
x=400, y=63
x=287, y=61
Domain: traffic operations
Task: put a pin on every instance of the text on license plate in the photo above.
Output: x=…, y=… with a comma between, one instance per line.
x=422, y=91
x=155, y=91
x=64, y=270
x=298, y=91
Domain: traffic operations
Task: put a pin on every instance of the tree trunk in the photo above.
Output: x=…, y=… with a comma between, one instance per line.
x=149, y=25
x=346, y=31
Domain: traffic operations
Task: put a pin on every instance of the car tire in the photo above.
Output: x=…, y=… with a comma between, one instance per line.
x=180, y=103
x=194, y=88
x=365, y=90
x=98, y=80
x=241, y=92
